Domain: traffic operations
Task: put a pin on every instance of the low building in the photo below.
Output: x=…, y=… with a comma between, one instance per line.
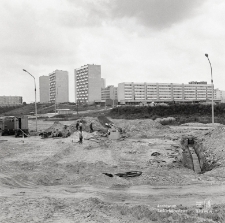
x=219, y=95
x=11, y=100
x=136, y=93
x=64, y=111
x=109, y=92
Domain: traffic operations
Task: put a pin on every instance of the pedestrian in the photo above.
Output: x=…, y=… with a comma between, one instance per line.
x=80, y=137
x=91, y=128
x=68, y=133
x=80, y=126
x=77, y=125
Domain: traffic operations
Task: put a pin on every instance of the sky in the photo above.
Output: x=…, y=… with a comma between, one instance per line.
x=155, y=41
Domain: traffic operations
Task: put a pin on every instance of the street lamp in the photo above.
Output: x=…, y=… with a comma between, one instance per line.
x=35, y=95
x=212, y=89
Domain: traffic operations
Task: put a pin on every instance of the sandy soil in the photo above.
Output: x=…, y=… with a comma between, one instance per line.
x=59, y=180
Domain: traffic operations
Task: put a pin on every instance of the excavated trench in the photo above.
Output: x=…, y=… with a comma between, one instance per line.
x=193, y=155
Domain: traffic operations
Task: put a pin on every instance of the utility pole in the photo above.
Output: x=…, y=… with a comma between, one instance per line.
x=212, y=89
x=35, y=107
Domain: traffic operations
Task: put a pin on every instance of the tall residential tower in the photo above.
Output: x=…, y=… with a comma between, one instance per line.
x=59, y=86
x=88, y=83
x=44, y=89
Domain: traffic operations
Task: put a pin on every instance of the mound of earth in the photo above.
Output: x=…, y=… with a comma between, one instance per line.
x=104, y=180
x=86, y=125
x=56, y=125
x=164, y=121
x=213, y=142
x=139, y=127
x=86, y=135
x=72, y=128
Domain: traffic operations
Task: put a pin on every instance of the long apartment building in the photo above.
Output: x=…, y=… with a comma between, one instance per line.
x=59, y=86
x=129, y=93
x=10, y=100
x=88, y=83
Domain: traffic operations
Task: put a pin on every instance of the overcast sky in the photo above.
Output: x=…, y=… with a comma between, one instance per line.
x=152, y=41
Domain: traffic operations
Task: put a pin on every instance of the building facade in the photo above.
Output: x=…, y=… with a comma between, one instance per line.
x=88, y=83
x=11, y=100
x=197, y=82
x=103, y=84
x=59, y=86
x=162, y=92
x=44, y=89
x=109, y=92
x=220, y=95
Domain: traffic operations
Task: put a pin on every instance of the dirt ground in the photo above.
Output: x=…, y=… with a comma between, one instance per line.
x=58, y=180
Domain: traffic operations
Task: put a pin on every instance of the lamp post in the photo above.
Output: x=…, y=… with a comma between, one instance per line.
x=35, y=95
x=212, y=89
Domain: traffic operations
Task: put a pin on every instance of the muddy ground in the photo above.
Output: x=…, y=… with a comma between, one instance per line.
x=59, y=180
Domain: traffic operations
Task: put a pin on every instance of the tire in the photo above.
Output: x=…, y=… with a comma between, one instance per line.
x=129, y=174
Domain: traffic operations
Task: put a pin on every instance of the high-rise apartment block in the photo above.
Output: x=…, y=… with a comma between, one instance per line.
x=149, y=92
x=10, y=100
x=59, y=86
x=88, y=83
x=44, y=89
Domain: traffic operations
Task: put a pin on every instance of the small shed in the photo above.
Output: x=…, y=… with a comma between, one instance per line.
x=64, y=111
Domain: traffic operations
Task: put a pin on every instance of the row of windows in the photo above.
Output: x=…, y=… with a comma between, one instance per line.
x=82, y=70
x=175, y=91
x=80, y=93
x=82, y=98
x=82, y=82
x=82, y=87
x=82, y=78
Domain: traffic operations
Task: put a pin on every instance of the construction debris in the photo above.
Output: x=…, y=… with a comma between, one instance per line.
x=155, y=154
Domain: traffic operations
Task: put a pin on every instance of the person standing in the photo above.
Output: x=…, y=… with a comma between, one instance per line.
x=91, y=128
x=80, y=137
x=81, y=126
x=77, y=125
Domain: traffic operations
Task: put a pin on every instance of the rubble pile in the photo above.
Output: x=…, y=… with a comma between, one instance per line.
x=56, y=125
x=165, y=121
x=94, y=136
x=86, y=125
x=72, y=128
x=138, y=128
